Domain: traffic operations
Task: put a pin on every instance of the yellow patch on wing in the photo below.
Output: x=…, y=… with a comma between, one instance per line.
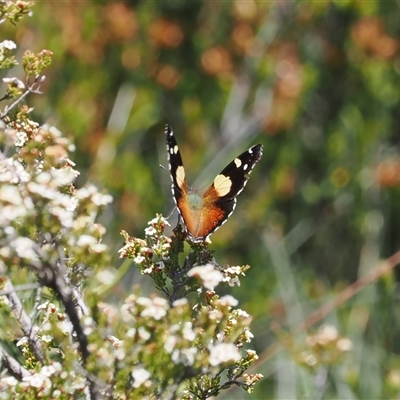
x=180, y=177
x=238, y=162
x=222, y=185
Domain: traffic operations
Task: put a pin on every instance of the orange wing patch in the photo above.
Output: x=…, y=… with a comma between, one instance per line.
x=200, y=221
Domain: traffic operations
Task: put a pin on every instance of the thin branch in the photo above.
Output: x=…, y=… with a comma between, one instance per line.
x=346, y=294
x=20, y=288
x=34, y=88
x=13, y=366
x=55, y=280
x=38, y=299
x=26, y=323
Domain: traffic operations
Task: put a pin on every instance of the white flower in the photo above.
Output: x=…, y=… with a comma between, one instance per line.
x=170, y=343
x=228, y=300
x=47, y=338
x=7, y=44
x=48, y=370
x=20, y=138
x=100, y=199
x=64, y=176
x=9, y=381
x=143, y=333
x=247, y=335
x=115, y=341
x=37, y=380
x=86, y=240
x=184, y=356
x=23, y=341
x=157, y=309
x=344, y=344
x=45, y=191
x=51, y=129
x=234, y=270
x=148, y=270
x=140, y=376
x=43, y=178
x=215, y=314
x=25, y=248
x=144, y=301
x=180, y=302
x=157, y=220
x=242, y=313
x=130, y=333
x=209, y=275
x=106, y=276
x=10, y=194
x=138, y=259
x=222, y=353
x=326, y=334
x=43, y=306
x=188, y=332
x=150, y=231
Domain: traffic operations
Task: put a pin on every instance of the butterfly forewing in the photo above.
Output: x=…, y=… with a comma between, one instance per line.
x=233, y=178
x=176, y=168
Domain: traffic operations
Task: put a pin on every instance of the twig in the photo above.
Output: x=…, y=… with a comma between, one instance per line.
x=34, y=88
x=27, y=326
x=13, y=366
x=55, y=280
x=346, y=294
x=20, y=288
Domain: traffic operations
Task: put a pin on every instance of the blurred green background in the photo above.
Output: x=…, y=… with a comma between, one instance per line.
x=317, y=83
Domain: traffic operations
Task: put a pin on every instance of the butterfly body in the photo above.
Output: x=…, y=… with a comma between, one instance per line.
x=204, y=214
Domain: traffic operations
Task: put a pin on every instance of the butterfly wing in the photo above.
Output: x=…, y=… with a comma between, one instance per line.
x=189, y=211
x=220, y=198
x=176, y=169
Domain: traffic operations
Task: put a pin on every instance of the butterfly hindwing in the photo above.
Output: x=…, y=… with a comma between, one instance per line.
x=203, y=215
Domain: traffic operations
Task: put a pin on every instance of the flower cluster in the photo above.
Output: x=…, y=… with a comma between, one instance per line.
x=148, y=254
x=207, y=339
x=38, y=384
x=231, y=274
x=13, y=11
x=325, y=347
x=38, y=201
x=6, y=59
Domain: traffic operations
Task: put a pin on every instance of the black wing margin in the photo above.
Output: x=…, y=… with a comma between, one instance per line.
x=238, y=171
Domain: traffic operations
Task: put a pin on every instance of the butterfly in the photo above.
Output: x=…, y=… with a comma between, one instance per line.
x=203, y=214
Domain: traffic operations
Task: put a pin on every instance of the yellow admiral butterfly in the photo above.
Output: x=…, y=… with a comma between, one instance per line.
x=203, y=215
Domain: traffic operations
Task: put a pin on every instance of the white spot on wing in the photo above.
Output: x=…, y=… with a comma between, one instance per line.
x=176, y=149
x=238, y=162
x=245, y=166
x=180, y=176
x=222, y=184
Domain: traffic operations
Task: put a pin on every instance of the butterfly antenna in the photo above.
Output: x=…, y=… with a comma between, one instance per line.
x=162, y=167
x=169, y=215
